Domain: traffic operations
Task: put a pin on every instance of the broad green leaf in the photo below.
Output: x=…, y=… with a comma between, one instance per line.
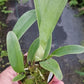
x=24, y=23
x=70, y=49
x=52, y=66
x=14, y=52
x=32, y=50
x=19, y=77
x=48, y=13
x=48, y=47
x=39, y=53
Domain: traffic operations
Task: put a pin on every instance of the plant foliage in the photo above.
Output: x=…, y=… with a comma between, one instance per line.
x=70, y=49
x=79, y=4
x=25, y=21
x=47, y=13
x=14, y=53
x=3, y=8
x=52, y=66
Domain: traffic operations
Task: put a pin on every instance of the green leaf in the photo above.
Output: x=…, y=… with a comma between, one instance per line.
x=73, y=3
x=32, y=50
x=19, y=77
x=48, y=47
x=39, y=53
x=80, y=73
x=24, y=23
x=48, y=13
x=4, y=53
x=70, y=49
x=14, y=52
x=52, y=66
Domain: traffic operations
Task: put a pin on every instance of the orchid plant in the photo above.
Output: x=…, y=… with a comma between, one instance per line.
x=47, y=13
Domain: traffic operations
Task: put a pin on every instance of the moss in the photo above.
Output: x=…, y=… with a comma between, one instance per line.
x=36, y=77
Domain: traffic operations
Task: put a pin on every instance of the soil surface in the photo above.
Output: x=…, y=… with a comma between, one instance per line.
x=69, y=30
x=3, y=31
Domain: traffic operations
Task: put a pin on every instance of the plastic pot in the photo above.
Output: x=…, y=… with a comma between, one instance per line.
x=54, y=80
x=51, y=78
